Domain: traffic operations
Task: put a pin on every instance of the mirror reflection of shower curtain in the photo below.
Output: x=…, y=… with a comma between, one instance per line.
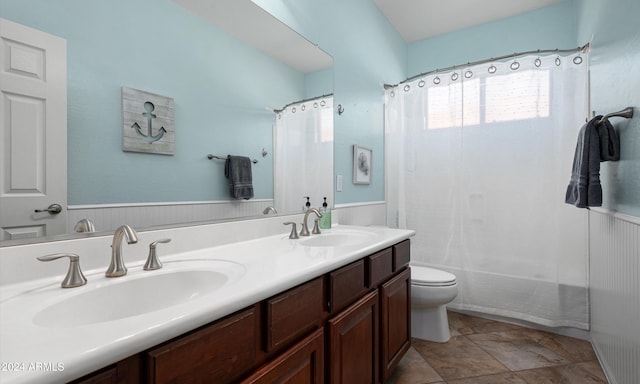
x=478, y=167
x=303, y=155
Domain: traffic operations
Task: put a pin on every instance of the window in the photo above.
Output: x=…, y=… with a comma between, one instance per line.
x=514, y=96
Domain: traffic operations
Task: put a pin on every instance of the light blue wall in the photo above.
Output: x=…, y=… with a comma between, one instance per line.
x=615, y=84
x=367, y=52
x=546, y=28
x=222, y=89
x=318, y=83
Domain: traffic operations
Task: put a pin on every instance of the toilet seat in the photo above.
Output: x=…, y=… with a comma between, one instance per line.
x=429, y=277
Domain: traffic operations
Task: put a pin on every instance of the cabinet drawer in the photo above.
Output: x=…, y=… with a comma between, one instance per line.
x=346, y=285
x=107, y=376
x=379, y=267
x=293, y=313
x=222, y=351
x=401, y=255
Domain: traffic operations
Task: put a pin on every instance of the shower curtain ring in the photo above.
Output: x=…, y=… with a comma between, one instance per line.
x=436, y=80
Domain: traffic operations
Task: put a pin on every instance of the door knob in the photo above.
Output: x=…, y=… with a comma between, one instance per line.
x=53, y=209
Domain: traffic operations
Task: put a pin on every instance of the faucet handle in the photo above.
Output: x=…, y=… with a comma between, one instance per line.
x=316, y=228
x=152, y=260
x=74, y=277
x=294, y=230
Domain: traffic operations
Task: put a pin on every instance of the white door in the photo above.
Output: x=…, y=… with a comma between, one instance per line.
x=33, y=132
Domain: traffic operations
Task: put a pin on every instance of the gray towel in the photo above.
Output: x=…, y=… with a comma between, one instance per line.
x=238, y=170
x=584, y=189
x=609, y=143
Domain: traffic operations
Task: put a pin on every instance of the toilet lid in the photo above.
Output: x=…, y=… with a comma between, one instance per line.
x=431, y=277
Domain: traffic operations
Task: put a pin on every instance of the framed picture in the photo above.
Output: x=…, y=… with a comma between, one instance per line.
x=362, y=165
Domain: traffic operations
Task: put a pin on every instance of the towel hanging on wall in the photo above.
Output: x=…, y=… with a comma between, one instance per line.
x=609, y=143
x=597, y=141
x=238, y=170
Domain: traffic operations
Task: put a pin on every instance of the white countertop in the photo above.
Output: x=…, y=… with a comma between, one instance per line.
x=36, y=353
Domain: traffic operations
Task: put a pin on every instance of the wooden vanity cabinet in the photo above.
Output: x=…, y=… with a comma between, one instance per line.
x=351, y=325
x=366, y=341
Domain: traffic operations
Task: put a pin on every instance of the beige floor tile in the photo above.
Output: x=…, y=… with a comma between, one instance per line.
x=490, y=352
x=517, y=350
x=564, y=374
x=500, y=378
x=572, y=349
x=461, y=324
x=458, y=358
x=413, y=369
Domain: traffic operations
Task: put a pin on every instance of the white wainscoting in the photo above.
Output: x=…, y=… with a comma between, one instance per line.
x=615, y=294
x=108, y=217
x=370, y=213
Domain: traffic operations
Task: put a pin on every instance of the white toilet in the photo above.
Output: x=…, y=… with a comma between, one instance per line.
x=431, y=290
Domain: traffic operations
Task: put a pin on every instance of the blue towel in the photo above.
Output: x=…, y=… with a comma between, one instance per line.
x=238, y=170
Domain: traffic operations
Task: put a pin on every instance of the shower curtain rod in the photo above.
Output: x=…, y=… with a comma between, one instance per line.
x=302, y=101
x=583, y=49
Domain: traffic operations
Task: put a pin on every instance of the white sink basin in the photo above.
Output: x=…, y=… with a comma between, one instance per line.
x=338, y=239
x=139, y=293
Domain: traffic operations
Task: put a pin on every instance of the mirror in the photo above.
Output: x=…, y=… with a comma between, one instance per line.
x=225, y=92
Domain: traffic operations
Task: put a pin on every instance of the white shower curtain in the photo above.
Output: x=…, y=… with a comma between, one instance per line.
x=477, y=163
x=303, y=155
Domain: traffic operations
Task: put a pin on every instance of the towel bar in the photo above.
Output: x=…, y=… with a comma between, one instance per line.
x=627, y=113
x=211, y=157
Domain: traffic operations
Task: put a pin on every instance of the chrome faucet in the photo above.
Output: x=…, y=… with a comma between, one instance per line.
x=152, y=262
x=269, y=209
x=305, y=228
x=84, y=225
x=294, y=231
x=117, y=267
x=74, y=277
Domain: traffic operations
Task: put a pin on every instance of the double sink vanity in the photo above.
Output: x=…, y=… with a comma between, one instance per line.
x=233, y=302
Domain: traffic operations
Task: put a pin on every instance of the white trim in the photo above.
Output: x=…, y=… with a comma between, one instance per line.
x=617, y=215
x=603, y=364
x=362, y=204
x=161, y=203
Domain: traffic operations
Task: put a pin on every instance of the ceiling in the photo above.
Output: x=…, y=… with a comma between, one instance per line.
x=413, y=19
x=253, y=25
x=421, y=19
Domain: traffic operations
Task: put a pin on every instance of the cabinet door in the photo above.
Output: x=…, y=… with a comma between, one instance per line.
x=220, y=352
x=395, y=324
x=301, y=364
x=353, y=343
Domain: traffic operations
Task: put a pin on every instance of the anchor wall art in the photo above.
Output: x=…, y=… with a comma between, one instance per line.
x=148, y=122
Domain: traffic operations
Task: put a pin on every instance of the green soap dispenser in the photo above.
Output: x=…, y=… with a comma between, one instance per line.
x=325, y=220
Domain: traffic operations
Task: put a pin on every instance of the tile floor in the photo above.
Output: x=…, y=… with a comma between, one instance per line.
x=490, y=352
